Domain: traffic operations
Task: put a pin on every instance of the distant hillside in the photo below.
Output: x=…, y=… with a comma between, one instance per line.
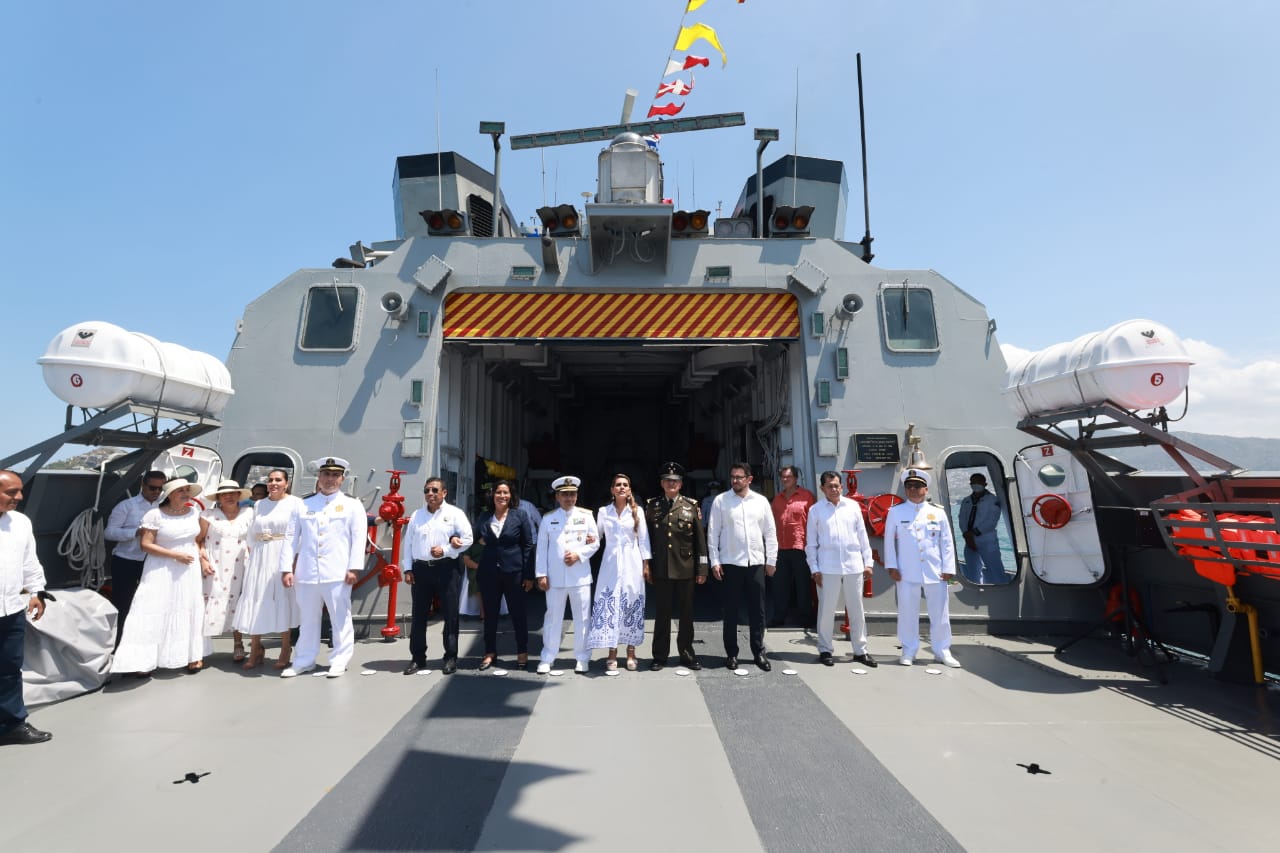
x=1256, y=454
x=90, y=460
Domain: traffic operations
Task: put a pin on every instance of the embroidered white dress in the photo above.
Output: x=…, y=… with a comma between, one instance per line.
x=617, y=617
x=165, y=629
x=227, y=545
x=266, y=605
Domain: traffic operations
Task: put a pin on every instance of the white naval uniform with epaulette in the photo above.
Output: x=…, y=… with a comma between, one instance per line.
x=558, y=534
x=327, y=535
x=918, y=543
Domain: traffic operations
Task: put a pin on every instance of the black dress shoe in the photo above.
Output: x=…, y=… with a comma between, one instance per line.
x=866, y=660
x=450, y=666
x=413, y=667
x=731, y=663
x=763, y=663
x=824, y=658
x=691, y=663
x=774, y=623
x=25, y=733
x=656, y=665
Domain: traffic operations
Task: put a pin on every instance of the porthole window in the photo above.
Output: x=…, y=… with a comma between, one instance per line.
x=1052, y=475
x=330, y=318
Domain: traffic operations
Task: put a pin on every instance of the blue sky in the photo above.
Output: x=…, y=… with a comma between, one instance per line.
x=1071, y=164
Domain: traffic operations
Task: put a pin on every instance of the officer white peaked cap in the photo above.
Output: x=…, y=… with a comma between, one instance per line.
x=917, y=474
x=328, y=463
x=566, y=484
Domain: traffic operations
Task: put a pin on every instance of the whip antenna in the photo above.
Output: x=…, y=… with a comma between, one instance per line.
x=866, y=204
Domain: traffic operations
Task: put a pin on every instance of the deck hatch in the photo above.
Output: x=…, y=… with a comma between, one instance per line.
x=644, y=316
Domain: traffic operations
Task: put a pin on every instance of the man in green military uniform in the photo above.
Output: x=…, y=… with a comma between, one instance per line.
x=678, y=561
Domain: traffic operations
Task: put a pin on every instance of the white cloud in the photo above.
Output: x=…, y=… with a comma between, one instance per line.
x=1230, y=396
x=1227, y=395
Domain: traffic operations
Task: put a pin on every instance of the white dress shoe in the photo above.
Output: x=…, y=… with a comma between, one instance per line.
x=906, y=660
x=580, y=666
x=544, y=668
x=294, y=671
x=336, y=672
x=947, y=659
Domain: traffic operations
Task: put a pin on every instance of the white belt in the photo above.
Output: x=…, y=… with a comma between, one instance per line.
x=270, y=537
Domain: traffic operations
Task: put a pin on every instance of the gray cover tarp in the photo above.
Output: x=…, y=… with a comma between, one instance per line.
x=69, y=650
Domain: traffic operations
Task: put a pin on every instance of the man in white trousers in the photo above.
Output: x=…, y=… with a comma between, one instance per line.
x=839, y=554
x=567, y=538
x=323, y=554
x=920, y=554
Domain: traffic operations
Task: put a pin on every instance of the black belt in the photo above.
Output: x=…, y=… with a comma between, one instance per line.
x=429, y=563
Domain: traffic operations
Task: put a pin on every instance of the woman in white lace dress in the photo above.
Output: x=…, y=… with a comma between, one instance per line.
x=617, y=616
x=266, y=605
x=166, y=622
x=224, y=551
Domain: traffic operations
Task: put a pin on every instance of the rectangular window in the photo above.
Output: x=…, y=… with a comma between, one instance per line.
x=413, y=441
x=842, y=363
x=817, y=324
x=424, y=324
x=824, y=392
x=909, y=322
x=330, y=318
x=415, y=392
x=828, y=437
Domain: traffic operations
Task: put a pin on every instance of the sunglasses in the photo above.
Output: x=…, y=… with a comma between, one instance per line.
x=431, y=490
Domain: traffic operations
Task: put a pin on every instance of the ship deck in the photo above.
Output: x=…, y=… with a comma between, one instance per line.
x=895, y=759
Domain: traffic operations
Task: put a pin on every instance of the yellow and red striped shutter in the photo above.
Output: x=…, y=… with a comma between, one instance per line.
x=511, y=315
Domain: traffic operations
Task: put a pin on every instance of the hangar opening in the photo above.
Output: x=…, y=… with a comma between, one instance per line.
x=597, y=383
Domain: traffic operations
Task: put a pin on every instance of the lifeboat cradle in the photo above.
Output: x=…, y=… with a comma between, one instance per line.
x=145, y=429
x=1226, y=524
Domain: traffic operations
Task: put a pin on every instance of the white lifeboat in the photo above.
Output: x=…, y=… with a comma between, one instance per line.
x=97, y=365
x=1136, y=364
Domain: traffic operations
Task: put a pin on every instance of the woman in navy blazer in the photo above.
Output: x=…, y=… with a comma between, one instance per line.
x=505, y=570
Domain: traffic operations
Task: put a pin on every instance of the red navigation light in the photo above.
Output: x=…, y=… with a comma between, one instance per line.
x=560, y=221
x=446, y=223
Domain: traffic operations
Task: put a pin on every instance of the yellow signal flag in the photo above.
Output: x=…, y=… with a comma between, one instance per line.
x=694, y=32
x=694, y=5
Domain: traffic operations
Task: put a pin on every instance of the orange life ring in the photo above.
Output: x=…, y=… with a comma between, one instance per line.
x=876, y=512
x=1051, y=511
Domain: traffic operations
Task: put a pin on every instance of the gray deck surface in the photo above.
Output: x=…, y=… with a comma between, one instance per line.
x=897, y=759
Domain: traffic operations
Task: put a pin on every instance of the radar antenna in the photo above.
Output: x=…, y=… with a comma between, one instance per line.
x=606, y=133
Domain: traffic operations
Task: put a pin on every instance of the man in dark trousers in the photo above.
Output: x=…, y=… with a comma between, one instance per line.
x=980, y=512
x=678, y=561
x=21, y=583
x=437, y=536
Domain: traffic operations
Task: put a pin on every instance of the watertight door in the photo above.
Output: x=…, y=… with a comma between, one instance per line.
x=198, y=464
x=1057, y=512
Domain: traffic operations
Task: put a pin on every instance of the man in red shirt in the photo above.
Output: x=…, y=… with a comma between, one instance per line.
x=791, y=514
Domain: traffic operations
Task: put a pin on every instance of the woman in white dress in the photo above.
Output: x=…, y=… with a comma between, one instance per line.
x=266, y=605
x=617, y=616
x=224, y=551
x=166, y=622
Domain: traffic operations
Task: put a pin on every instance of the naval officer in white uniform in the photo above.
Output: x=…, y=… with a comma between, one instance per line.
x=323, y=554
x=920, y=554
x=567, y=537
